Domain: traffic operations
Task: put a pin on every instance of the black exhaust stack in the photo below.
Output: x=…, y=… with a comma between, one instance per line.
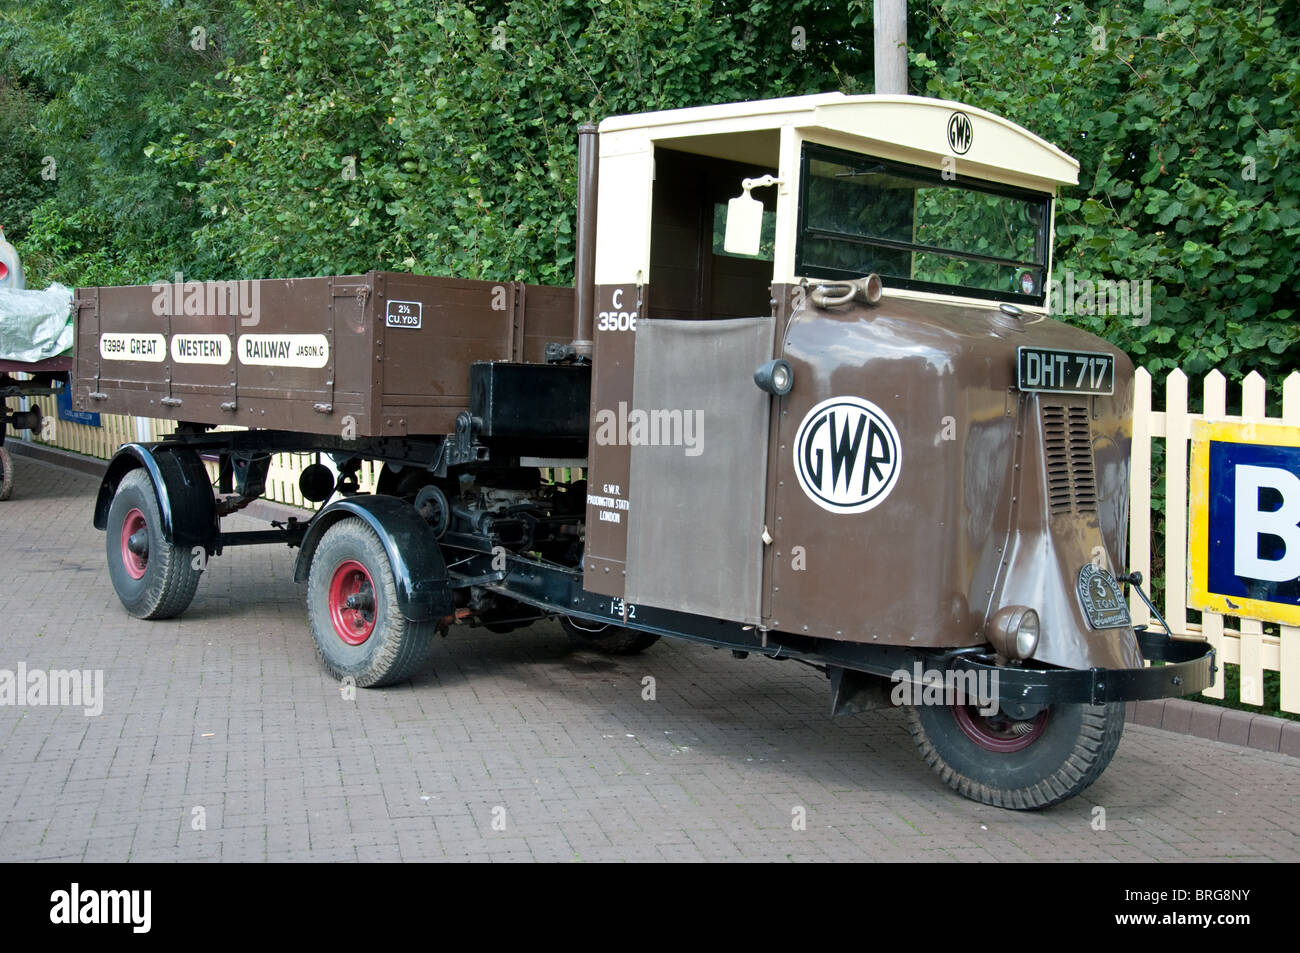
x=584, y=264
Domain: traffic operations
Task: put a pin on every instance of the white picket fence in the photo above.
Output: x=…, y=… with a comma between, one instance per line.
x=1237, y=640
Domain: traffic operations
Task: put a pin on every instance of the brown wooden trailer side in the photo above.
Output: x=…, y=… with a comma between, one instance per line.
x=375, y=355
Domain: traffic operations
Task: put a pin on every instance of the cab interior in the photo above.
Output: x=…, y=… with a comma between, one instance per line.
x=691, y=276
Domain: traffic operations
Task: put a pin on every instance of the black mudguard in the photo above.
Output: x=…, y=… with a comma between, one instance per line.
x=183, y=488
x=412, y=548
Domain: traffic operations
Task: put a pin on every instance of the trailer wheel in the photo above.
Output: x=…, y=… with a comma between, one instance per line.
x=1022, y=765
x=6, y=475
x=153, y=578
x=609, y=639
x=359, y=630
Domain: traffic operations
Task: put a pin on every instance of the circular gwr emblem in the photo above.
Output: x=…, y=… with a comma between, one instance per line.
x=846, y=455
x=960, y=133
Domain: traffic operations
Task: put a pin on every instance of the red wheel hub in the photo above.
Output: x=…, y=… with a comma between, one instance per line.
x=135, y=544
x=998, y=733
x=352, y=602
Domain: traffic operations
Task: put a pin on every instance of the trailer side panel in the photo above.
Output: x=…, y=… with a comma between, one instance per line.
x=380, y=354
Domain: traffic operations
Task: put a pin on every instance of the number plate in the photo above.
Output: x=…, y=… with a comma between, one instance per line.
x=1065, y=372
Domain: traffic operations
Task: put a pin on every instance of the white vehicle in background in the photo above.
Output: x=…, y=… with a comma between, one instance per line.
x=11, y=268
x=35, y=342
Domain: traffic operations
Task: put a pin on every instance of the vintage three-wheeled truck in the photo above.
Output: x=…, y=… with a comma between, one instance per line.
x=812, y=400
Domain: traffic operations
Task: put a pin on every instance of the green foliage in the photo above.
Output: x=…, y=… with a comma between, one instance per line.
x=442, y=139
x=328, y=137
x=1182, y=115
x=113, y=76
x=331, y=137
x=20, y=163
x=78, y=247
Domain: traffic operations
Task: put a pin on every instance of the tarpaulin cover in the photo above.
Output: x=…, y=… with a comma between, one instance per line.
x=35, y=325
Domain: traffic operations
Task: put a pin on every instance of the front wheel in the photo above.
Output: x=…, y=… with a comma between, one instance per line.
x=360, y=632
x=1019, y=764
x=153, y=578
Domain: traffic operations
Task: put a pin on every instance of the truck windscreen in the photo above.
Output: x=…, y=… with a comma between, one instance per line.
x=918, y=228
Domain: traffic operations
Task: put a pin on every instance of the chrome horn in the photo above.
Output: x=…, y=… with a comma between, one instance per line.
x=834, y=293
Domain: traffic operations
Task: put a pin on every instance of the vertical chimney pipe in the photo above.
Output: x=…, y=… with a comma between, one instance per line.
x=584, y=259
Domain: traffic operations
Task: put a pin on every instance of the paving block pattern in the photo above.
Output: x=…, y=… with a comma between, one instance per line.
x=221, y=738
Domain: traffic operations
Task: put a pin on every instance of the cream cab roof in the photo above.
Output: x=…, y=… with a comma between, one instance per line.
x=916, y=129
x=949, y=137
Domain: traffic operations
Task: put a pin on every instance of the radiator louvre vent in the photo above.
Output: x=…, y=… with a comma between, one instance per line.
x=1067, y=445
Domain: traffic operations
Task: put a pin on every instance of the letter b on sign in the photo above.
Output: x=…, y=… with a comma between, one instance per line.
x=1256, y=554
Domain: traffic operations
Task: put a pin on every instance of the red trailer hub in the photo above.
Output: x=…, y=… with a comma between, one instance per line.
x=135, y=545
x=352, y=602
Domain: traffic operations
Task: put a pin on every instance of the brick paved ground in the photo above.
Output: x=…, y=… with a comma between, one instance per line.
x=226, y=710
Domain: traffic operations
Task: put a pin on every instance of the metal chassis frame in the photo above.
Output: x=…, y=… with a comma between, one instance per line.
x=435, y=452
x=43, y=383
x=1186, y=667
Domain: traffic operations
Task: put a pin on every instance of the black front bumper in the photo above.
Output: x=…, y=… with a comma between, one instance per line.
x=1188, y=667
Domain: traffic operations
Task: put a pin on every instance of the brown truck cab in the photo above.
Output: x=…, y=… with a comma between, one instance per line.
x=812, y=406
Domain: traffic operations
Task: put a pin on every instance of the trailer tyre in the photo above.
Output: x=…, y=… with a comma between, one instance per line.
x=359, y=630
x=1023, y=765
x=6, y=475
x=153, y=578
x=608, y=639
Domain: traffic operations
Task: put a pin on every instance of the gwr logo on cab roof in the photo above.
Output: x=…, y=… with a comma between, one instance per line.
x=961, y=133
x=846, y=455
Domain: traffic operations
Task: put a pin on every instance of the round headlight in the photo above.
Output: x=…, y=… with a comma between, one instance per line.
x=775, y=377
x=1014, y=631
x=1027, y=634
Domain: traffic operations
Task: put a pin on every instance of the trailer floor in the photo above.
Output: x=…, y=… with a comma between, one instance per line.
x=224, y=717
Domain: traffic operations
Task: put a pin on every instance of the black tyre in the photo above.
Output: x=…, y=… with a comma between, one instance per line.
x=1022, y=765
x=6, y=475
x=352, y=607
x=609, y=639
x=153, y=578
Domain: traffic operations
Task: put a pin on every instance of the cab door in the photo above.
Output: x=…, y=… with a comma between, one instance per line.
x=698, y=470
x=695, y=531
